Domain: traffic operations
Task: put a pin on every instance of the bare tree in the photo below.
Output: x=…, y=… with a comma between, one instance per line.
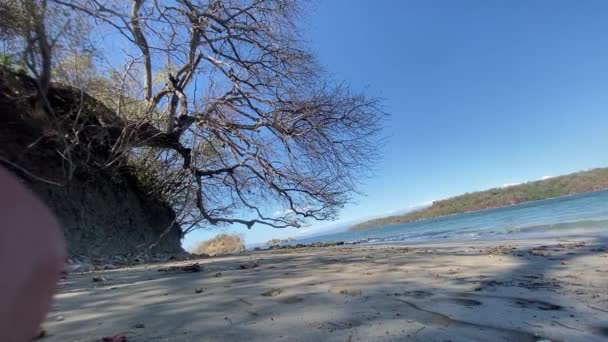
x=242, y=107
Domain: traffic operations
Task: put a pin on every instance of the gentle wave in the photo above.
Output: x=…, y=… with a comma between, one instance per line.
x=579, y=225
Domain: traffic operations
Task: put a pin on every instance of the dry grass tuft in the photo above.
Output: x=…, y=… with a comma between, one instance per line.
x=221, y=244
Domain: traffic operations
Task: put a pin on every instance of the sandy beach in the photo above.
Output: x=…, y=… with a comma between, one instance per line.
x=526, y=290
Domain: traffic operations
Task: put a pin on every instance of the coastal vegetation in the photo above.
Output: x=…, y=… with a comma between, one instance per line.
x=580, y=182
x=221, y=244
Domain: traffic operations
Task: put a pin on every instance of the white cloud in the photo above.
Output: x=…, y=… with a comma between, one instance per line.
x=506, y=185
x=546, y=177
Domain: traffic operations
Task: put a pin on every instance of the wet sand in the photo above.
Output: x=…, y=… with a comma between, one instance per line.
x=527, y=290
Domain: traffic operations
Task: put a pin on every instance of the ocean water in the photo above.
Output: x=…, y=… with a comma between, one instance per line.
x=569, y=215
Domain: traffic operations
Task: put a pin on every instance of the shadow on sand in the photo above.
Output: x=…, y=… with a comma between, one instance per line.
x=352, y=293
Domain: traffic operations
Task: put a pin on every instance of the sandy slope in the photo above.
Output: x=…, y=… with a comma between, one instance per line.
x=435, y=292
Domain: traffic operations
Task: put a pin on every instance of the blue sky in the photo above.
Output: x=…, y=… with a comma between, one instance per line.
x=480, y=94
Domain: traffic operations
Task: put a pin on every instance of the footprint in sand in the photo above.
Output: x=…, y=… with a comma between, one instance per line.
x=290, y=300
x=460, y=301
x=527, y=303
x=346, y=291
x=418, y=294
x=435, y=319
x=601, y=331
x=521, y=302
x=339, y=325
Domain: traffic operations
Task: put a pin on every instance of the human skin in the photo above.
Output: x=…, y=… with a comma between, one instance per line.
x=32, y=255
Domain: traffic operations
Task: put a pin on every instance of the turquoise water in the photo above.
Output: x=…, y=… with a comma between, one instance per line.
x=577, y=214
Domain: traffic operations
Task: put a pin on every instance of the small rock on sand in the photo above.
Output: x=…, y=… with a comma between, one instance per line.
x=271, y=293
x=346, y=291
x=192, y=268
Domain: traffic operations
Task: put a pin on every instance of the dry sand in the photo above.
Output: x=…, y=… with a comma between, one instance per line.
x=466, y=291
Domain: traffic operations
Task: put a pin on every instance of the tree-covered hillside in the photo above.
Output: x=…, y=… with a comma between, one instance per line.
x=585, y=181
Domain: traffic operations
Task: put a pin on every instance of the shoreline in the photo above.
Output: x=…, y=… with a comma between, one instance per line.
x=478, y=210
x=519, y=238
x=523, y=235
x=483, y=290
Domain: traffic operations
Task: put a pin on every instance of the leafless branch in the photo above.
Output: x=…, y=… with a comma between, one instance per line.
x=242, y=107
